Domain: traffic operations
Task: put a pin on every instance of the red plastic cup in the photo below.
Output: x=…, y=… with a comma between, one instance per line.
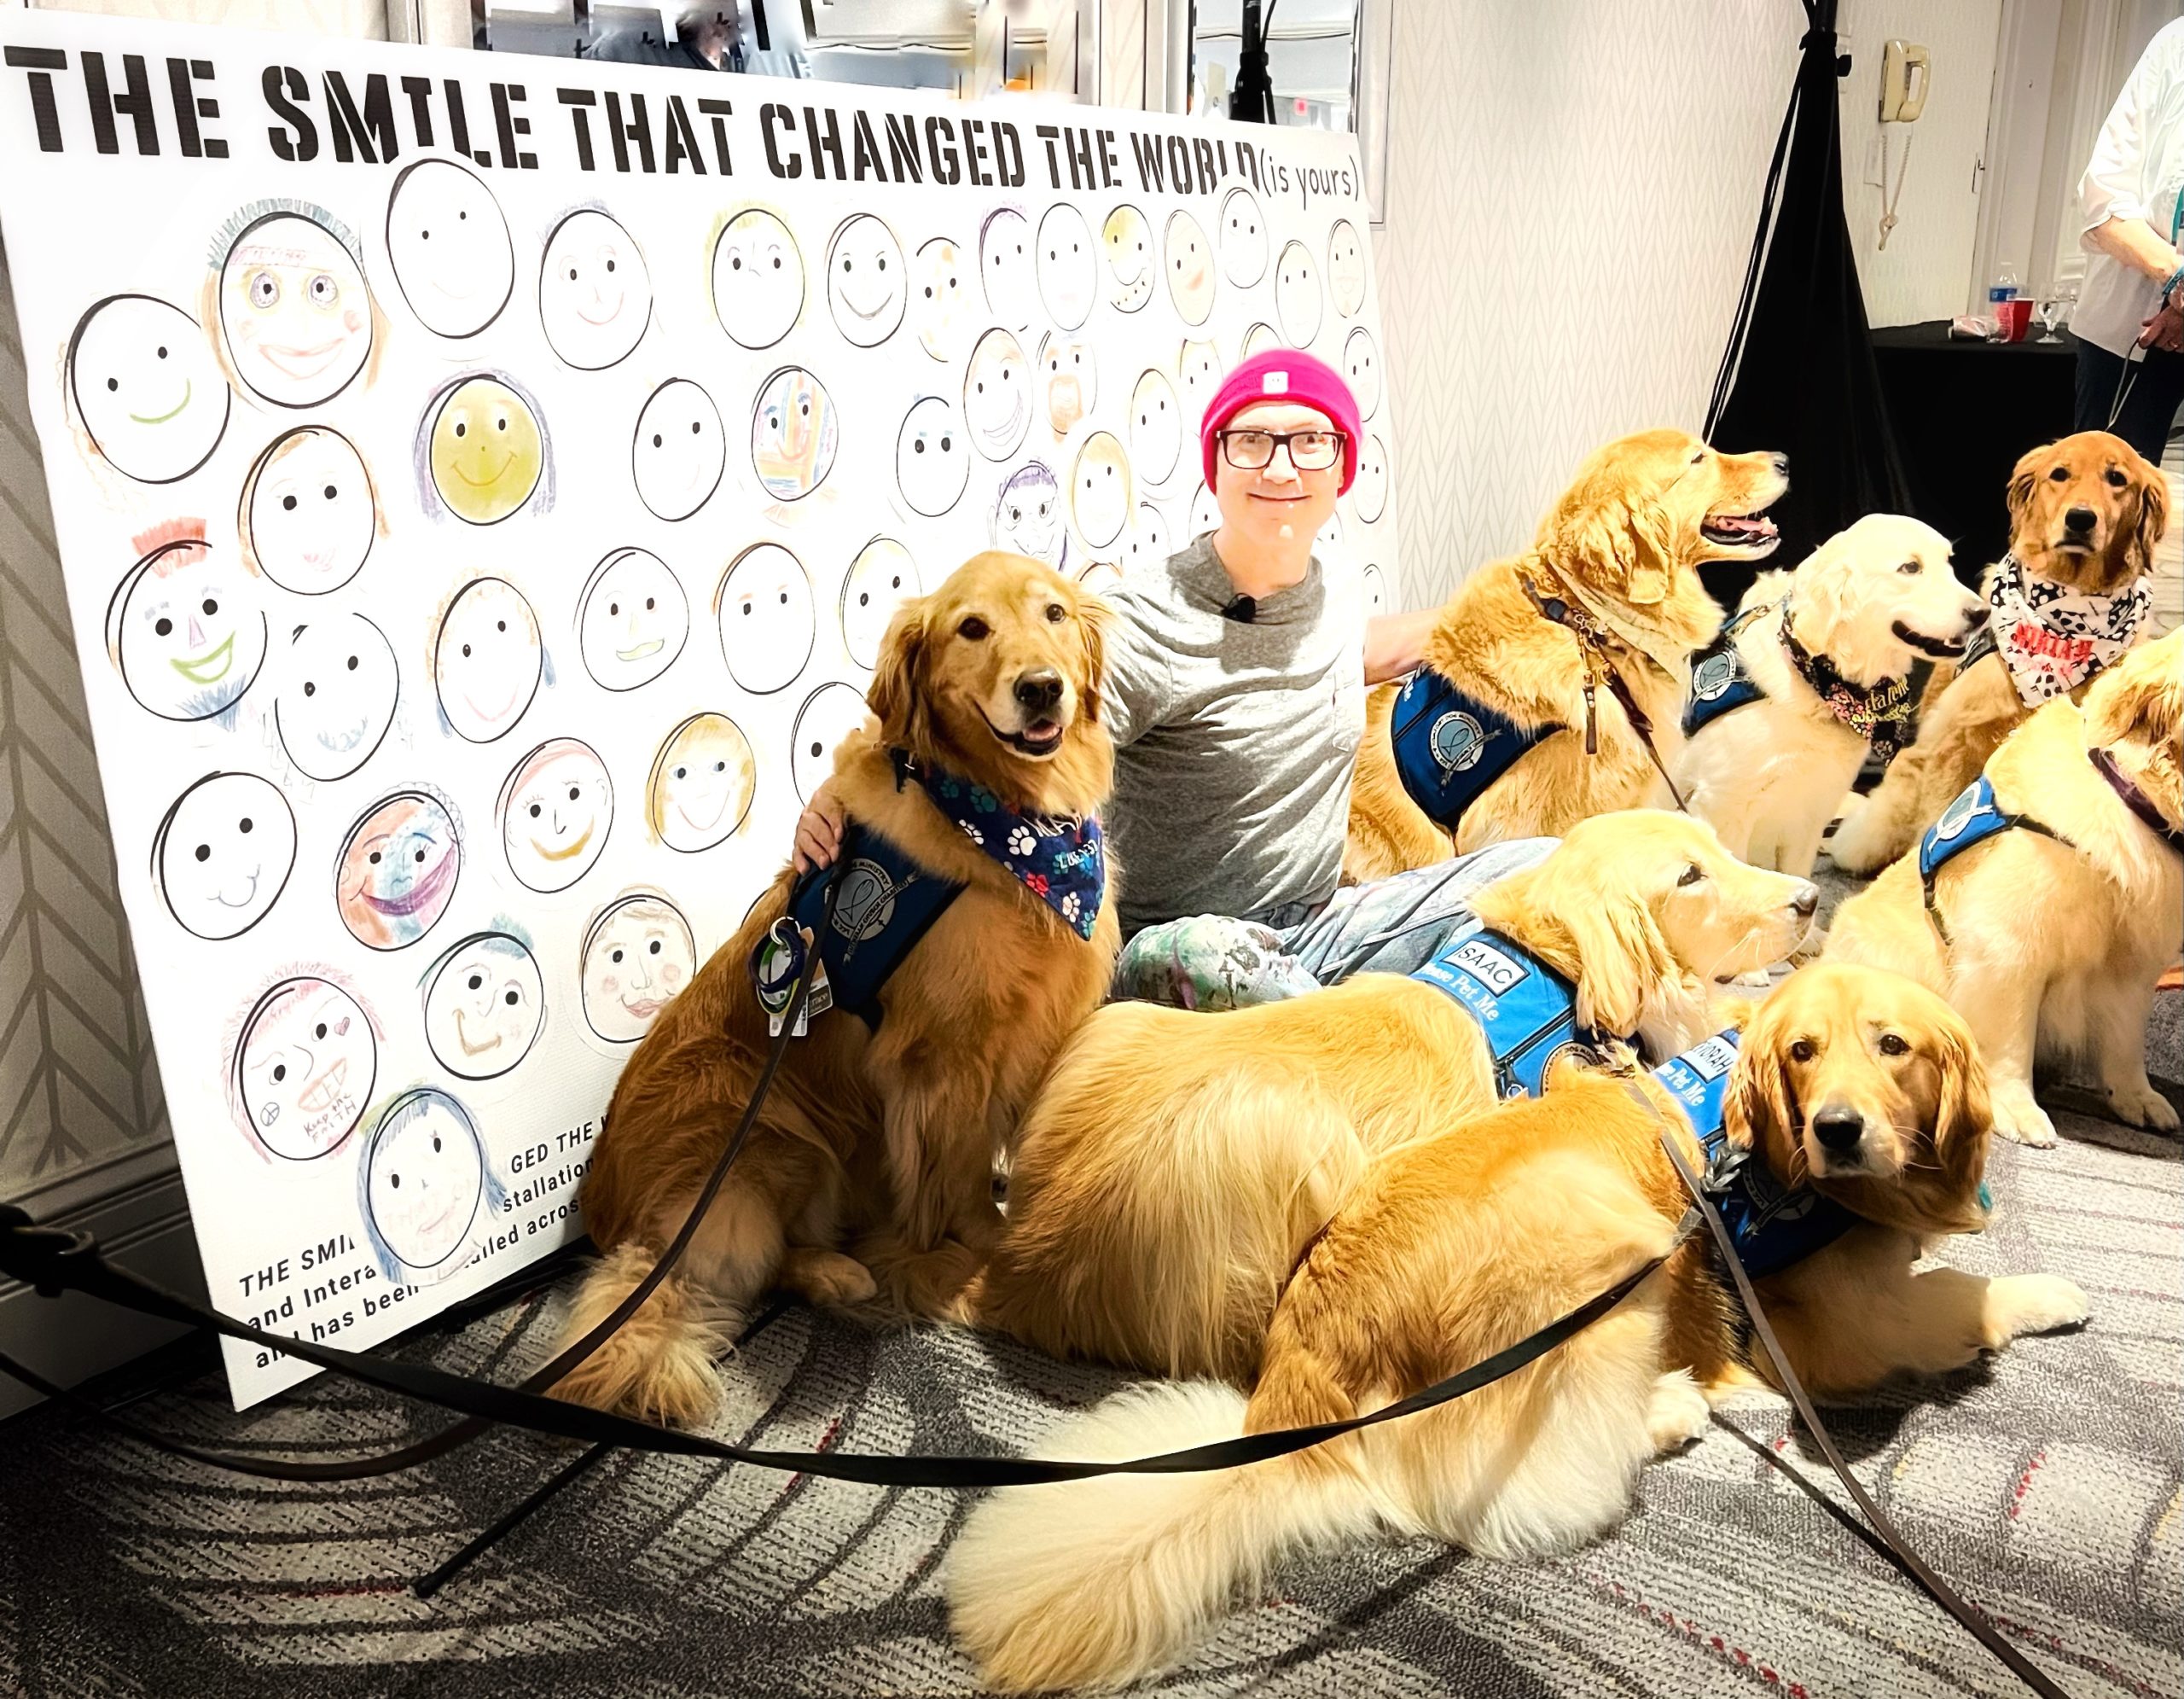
x=2016, y=315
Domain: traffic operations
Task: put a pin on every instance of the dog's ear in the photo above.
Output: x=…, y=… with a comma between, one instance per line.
x=1094, y=615
x=1608, y=540
x=1625, y=969
x=1651, y=573
x=897, y=693
x=1759, y=1111
x=1962, y=1124
x=2024, y=476
x=2153, y=515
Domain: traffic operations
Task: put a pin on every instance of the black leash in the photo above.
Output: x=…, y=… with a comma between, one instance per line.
x=1590, y=636
x=1898, y=1552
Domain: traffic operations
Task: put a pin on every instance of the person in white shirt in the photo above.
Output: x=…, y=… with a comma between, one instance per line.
x=2131, y=206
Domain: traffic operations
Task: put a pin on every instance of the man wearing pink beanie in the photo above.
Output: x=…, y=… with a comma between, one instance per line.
x=1235, y=693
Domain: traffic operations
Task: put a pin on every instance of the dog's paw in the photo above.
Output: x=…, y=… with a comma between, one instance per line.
x=823, y=1276
x=2140, y=1105
x=1677, y=1414
x=2019, y=1304
x=2023, y=1122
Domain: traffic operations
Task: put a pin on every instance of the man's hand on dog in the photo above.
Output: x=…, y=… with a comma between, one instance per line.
x=819, y=829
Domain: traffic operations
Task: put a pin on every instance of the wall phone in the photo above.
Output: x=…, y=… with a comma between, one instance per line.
x=1906, y=71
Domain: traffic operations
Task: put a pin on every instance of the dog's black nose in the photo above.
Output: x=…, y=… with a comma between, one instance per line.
x=1780, y=463
x=1839, y=1130
x=1036, y=692
x=1806, y=900
x=2079, y=519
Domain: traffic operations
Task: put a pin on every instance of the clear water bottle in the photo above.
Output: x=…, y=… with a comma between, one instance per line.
x=2005, y=288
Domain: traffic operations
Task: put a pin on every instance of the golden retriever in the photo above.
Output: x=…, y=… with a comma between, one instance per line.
x=1457, y=1246
x=2051, y=947
x=993, y=678
x=2085, y=513
x=1622, y=548
x=1866, y=604
x=1175, y=1163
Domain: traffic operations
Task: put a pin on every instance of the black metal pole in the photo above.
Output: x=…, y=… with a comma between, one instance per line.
x=1251, y=99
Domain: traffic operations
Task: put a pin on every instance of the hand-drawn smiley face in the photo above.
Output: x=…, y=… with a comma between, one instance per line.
x=295, y=316
x=828, y=715
x=793, y=433
x=881, y=578
x=758, y=279
x=1197, y=380
x=185, y=626
x=868, y=286
x=305, y=1060
x=679, y=450
x=223, y=853
x=997, y=395
x=485, y=1005
x=1297, y=295
x=1100, y=490
x=1369, y=494
x=336, y=701
x=487, y=659
x=1376, y=591
x=450, y=247
x=1243, y=239
x=767, y=626
x=555, y=811
x=422, y=1177
x=1188, y=267
x=309, y=515
x=146, y=387
x=486, y=450
x=637, y=953
x=1027, y=515
x=702, y=783
x=1006, y=270
x=632, y=619
x=1327, y=541
x=1361, y=364
x=932, y=457
x=1101, y=578
x=1127, y=241
x=594, y=292
x=1147, y=543
x=1259, y=339
x=1068, y=265
x=1346, y=268
x=1069, y=379
x=397, y=869
x=1156, y=428
x=939, y=304
x=1205, y=513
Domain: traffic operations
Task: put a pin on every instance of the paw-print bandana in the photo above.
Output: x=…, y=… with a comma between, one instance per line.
x=1063, y=863
x=2051, y=639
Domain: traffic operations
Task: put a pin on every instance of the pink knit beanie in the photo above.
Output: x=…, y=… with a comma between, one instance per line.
x=1283, y=374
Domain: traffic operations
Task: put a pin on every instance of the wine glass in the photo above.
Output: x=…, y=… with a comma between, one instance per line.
x=2052, y=308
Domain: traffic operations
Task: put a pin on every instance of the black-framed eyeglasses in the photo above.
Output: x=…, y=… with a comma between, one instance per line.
x=1308, y=450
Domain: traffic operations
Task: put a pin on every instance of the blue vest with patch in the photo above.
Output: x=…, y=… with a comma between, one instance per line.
x=1972, y=818
x=887, y=903
x=1528, y=1011
x=1720, y=682
x=1770, y=1227
x=1448, y=749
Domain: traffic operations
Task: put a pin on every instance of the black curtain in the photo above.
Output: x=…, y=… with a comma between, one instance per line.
x=1798, y=373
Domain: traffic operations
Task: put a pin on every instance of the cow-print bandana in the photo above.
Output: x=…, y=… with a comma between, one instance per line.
x=2050, y=638
x=1063, y=863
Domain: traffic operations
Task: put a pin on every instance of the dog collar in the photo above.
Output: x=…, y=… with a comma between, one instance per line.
x=1062, y=863
x=1881, y=712
x=2135, y=800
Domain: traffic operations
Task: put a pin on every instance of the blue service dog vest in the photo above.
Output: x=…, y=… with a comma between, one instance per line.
x=1448, y=749
x=1972, y=818
x=1770, y=1227
x=1720, y=682
x=1528, y=1011
x=887, y=903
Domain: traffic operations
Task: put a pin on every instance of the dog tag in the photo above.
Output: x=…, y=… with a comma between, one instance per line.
x=1592, y=723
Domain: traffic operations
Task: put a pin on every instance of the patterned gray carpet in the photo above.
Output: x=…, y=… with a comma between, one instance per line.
x=2046, y=1485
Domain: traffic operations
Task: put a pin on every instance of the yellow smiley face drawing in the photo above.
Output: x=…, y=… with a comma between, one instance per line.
x=486, y=452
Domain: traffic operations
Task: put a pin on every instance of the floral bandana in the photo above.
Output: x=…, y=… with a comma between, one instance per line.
x=2051, y=639
x=1063, y=863
x=1884, y=713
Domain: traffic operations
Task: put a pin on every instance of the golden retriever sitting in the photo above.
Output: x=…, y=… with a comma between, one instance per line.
x=1616, y=562
x=2049, y=946
x=886, y=1120
x=1175, y=1163
x=2085, y=514
x=1862, y=1084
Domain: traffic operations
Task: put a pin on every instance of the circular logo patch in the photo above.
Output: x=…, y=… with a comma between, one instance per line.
x=1712, y=675
x=867, y=902
x=1958, y=815
x=1457, y=740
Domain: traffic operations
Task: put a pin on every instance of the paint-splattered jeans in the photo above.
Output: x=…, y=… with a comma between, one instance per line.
x=1393, y=926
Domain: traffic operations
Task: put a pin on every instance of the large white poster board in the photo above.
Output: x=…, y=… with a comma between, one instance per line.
x=482, y=483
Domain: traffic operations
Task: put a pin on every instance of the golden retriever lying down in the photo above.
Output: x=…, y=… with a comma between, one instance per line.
x=2053, y=945
x=1175, y=1163
x=1622, y=550
x=1456, y=1247
x=993, y=677
x=2085, y=514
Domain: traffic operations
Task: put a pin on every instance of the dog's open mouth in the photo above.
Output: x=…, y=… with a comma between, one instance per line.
x=1040, y=739
x=1740, y=530
x=1943, y=649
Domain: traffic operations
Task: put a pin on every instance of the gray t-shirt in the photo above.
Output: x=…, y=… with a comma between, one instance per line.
x=1235, y=742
